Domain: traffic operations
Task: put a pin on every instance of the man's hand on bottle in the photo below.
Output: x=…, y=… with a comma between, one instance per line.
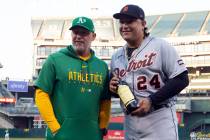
x=144, y=107
x=113, y=84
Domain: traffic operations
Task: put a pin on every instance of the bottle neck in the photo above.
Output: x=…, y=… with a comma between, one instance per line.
x=121, y=82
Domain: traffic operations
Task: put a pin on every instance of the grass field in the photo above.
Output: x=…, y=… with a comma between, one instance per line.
x=32, y=139
x=24, y=139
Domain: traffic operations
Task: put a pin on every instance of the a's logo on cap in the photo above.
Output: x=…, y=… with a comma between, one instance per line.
x=81, y=20
x=125, y=9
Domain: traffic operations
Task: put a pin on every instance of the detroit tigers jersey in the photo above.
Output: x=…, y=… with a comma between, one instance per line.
x=149, y=67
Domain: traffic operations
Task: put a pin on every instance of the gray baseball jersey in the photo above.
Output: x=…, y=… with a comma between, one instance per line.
x=148, y=69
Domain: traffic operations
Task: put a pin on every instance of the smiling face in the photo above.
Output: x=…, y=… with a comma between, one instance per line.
x=82, y=39
x=132, y=30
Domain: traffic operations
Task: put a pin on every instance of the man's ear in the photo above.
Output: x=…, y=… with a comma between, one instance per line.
x=144, y=23
x=93, y=36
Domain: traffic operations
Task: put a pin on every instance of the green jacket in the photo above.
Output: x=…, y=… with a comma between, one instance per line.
x=76, y=88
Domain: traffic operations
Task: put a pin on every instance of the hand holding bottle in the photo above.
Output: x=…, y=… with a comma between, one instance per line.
x=127, y=97
x=121, y=88
x=144, y=107
x=113, y=84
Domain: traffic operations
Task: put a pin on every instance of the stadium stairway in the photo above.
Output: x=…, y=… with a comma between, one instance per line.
x=5, y=122
x=4, y=92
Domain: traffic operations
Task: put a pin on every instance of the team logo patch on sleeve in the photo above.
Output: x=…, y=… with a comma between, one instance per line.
x=180, y=62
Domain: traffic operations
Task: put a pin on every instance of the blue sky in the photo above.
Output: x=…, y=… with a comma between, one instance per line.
x=16, y=49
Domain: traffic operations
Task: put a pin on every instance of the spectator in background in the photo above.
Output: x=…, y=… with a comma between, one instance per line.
x=6, y=137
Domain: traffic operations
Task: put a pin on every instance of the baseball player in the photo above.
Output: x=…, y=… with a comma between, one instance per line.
x=72, y=89
x=154, y=73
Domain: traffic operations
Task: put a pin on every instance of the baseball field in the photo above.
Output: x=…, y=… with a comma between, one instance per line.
x=28, y=139
x=24, y=139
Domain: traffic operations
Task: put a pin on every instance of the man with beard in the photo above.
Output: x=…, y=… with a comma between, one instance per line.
x=72, y=88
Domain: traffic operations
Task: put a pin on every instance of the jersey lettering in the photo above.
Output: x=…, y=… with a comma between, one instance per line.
x=147, y=61
x=142, y=80
x=141, y=83
x=85, y=77
x=155, y=81
x=136, y=65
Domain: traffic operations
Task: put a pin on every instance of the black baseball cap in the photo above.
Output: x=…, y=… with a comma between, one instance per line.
x=130, y=11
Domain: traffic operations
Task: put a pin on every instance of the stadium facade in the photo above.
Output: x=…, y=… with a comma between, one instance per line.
x=189, y=33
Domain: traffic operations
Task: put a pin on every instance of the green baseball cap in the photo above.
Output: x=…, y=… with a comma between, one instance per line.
x=84, y=22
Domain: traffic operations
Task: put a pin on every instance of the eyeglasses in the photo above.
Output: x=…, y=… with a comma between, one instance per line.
x=81, y=32
x=127, y=21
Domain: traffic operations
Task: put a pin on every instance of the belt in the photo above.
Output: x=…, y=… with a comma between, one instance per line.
x=156, y=107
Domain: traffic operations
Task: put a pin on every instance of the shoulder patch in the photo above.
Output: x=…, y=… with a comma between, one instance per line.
x=180, y=62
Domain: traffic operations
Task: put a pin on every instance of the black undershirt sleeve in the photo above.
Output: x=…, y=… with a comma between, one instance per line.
x=172, y=87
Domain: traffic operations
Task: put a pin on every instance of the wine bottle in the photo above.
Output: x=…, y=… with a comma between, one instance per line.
x=127, y=97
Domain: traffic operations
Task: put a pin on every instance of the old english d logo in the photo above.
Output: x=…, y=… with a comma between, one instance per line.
x=125, y=9
x=81, y=20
